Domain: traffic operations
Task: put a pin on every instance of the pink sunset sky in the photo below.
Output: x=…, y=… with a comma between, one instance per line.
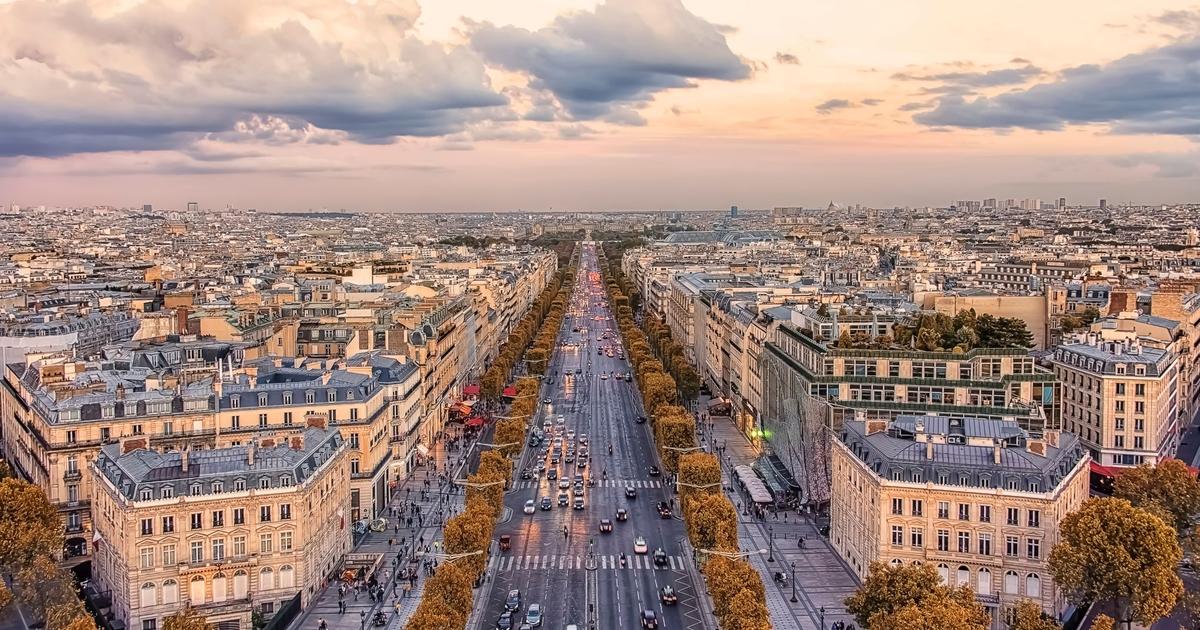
x=460, y=105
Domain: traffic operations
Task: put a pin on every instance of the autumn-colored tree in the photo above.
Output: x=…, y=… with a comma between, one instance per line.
x=657, y=389
x=186, y=619
x=711, y=521
x=5, y=595
x=30, y=527
x=747, y=611
x=726, y=578
x=1110, y=550
x=1168, y=489
x=1030, y=616
x=1103, y=622
x=946, y=609
x=890, y=588
x=433, y=614
x=493, y=464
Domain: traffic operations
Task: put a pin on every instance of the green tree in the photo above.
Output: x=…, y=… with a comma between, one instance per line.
x=1168, y=489
x=1111, y=550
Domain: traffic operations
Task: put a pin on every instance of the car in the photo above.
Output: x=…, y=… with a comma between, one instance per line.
x=552, y=474
x=664, y=509
x=533, y=616
x=622, y=514
x=513, y=601
x=546, y=504
x=559, y=419
x=581, y=463
x=641, y=419
x=604, y=376
x=505, y=622
x=546, y=401
x=527, y=473
x=578, y=478
x=530, y=507
x=583, y=438
x=578, y=371
x=649, y=620
x=570, y=459
x=606, y=526
x=630, y=492
x=578, y=505
x=525, y=626
x=660, y=557
x=563, y=499
x=667, y=596
x=554, y=459
x=654, y=471
x=564, y=483
x=639, y=546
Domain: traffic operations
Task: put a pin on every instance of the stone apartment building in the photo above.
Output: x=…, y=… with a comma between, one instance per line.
x=226, y=531
x=980, y=499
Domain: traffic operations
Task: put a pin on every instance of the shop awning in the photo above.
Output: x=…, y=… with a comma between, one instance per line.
x=782, y=473
x=471, y=390
x=1106, y=471
x=422, y=449
x=475, y=421
x=460, y=409
x=510, y=392
x=754, y=486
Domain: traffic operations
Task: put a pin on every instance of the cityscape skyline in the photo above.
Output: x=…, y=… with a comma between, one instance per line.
x=471, y=106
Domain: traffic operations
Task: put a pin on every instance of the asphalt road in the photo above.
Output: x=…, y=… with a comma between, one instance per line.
x=577, y=577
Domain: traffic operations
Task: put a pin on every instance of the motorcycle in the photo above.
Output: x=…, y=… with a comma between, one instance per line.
x=622, y=560
x=380, y=619
x=781, y=578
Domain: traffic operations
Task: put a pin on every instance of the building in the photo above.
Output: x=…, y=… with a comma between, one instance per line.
x=733, y=212
x=1120, y=398
x=226, y=531
x=980, y=499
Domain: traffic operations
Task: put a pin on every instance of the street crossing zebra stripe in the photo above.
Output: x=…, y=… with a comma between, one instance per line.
x=633, y=562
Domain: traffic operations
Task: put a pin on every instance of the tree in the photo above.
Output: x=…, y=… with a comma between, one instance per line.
x=1111, y=550
x=186, y=619
x=1168, y=489
x=747, y=612
x=891, y=588
x=711, y=521
x=30, y=527
x=1103, y=622
x=947, y=609
x=1030, y=616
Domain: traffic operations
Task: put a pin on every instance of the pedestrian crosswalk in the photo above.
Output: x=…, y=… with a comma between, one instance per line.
x=553, y=562
x=605, y=483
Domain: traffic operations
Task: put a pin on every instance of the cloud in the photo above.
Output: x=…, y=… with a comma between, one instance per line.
x=912, y=107
x=990, y=78
x=269, y=70
x=575, y=131
x=786, y=59
x=834, y=104
x=602, y=64
x=1152, y=92
x=1166, y=165
x=871, y=102
x=1186, y=20
x=1020, y=60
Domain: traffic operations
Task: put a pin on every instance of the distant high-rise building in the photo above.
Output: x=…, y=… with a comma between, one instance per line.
x=1010, y=203
x=989, y=204
x=1104, y=204
x=193, y=206
x=1031, y=204
x=147, y=207
x=1062, y=203
x=733, y=212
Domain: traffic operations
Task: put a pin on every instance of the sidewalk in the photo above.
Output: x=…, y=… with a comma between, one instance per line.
x=822, y=581
x=396, y=544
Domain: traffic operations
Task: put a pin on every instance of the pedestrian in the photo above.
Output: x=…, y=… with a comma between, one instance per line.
x=321, y=625
x=362, y=616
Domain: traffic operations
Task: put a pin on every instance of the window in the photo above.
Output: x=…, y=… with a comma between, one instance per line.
x=332, y=415
x=239, y=516
x=918, y=538
x=147, y=526
x=310, y=397
x=168, y=524
x=1119, y=406
x=197, y=551
x=1139, y=407
x=266, y=579
x=1139, y=425
x=354, y=467
x=943, y=509
x=235, y=422
x=1033, y=548
x=170, y=591
x=168, y=555
x=148, y=598
x=964, y=511
x=262, y=420
x=1033, y=585
x=353, y=440
x=218, y=518
x=985, y=514
x=137, y=429
x=1035, y=518
x=985, y=544
x=287, y=398
x=264, y=514
x=285, y=541
x=197, y=520
x=894, y=369
x=71, y=437
x=332, y=395
x=898, y=506
x=264, y=543
x=964, y=542
x=354, y=413
x=918, y=507
x=218, y=549
x=1014, y=516
x=1139, y=442
x=197, y=489
x=146, y=557
x=239, y=485
x=235, y=402
x=239, y=546
x=287, y=418
x=1011, y=580
x=943, y=540
x=1011, y=546
x=262, y=400
x=264, y=483
x=285, y=511
x=897, y=535
x=147, y=494
x=1120, y=389
x=218, y=487
x=1139, y=389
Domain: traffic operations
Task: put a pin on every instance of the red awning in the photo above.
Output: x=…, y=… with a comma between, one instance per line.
x=1107, y=471
x=471, y=390
x=510, y=392
x=461, y=409
x=475, y=421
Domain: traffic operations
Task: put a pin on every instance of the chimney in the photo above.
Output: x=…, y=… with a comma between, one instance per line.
x=316, y=420
x=996, y=452
x=929, y=450
x=120, y=394
x=183, y=458
x=128, y=445
x=876, y=426
x=1037, y=447
x=1052, y=436
x=250, y=448
x=297, y=442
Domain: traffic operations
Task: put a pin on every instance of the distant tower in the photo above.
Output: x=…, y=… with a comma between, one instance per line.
x=193, y=206
x=1104, y=204
x=733, y=212
x=1062, y=203
x=147, y=207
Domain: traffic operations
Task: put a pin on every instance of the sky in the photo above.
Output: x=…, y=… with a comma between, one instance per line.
x=478, y=105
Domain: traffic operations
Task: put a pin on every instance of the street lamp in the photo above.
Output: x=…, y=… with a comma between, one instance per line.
x=822, y=613
x=794, y=600
x=771, y=543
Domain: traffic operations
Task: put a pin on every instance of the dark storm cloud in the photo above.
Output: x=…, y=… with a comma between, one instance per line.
x=1156, y=92
x=603, y=64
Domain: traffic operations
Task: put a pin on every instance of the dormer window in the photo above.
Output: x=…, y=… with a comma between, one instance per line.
x=147, y=494
x=167, y=492
x=264, y=483
x=285, y=480
x=1140, y=370
x=218, y=487
x=197, y=489
x=235, y=402
x=262, y=400
x=1120, y=369
x=332, y=395
x=310, y=397
x=239, y=485
x=287, y=398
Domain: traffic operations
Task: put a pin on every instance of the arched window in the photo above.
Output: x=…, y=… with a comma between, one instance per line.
x=148, y=594
x=219, y=587
x=196, y=590
x=1012, y=582
x=170, y=592
x=897, y=562
x=944, y=573
x=1033, y=586
x=287, y=576
x=266, y=579
x=984, y=582
x=963, y=577
x=241, y=584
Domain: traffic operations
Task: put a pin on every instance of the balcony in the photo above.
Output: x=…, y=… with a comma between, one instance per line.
x=72, y=475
